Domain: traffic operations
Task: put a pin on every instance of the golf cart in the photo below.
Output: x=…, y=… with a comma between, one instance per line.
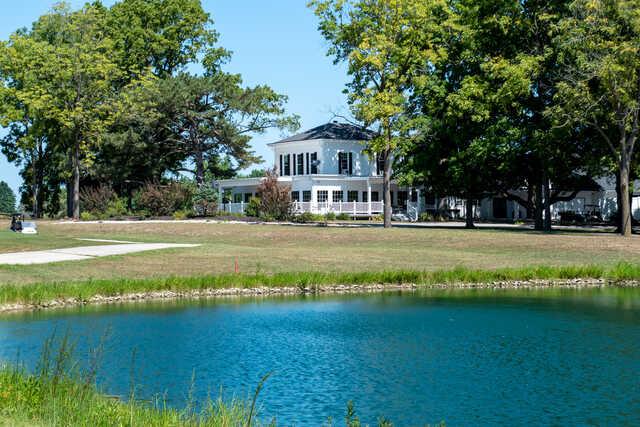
x=19, y=225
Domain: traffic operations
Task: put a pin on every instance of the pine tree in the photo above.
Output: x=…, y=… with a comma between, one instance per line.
x=7, y=199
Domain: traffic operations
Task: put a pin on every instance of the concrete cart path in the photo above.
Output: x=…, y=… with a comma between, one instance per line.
x=83, y=253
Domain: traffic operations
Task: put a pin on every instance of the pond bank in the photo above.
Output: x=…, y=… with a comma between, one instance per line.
x=293, y=290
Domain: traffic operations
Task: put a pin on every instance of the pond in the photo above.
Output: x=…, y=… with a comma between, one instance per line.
x=465, y=357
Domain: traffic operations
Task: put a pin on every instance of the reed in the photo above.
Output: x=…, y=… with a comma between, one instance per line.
x=61, y=393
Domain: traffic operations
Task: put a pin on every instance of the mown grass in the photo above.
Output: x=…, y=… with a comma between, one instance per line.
x=82, y=291
x=273, y=249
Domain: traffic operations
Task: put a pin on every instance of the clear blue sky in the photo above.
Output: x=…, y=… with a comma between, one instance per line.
x=274, y=43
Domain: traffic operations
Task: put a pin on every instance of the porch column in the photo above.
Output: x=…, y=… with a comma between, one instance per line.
x=220, y=198
x=369, y=196
x=418, y=200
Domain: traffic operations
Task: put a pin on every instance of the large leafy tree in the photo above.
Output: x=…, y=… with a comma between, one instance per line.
x=452, y=155
x=600, y=84
x=489, y=102
x=62, y=72
x=384, y=43
x=164, y=35
x=100, y=95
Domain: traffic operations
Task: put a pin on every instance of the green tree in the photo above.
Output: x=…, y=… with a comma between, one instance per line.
x=65, y=75
x=600, y=85
x=385, y=43
x=487, y=103
x=7, y=199
x=213, y=116
x=164, y=35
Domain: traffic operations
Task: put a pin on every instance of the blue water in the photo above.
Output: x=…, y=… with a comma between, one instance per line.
x=468, y=358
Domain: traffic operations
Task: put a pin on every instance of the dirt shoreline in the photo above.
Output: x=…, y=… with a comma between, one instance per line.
x=313, y=290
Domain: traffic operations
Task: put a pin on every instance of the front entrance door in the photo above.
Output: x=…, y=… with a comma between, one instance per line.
x=499, y=207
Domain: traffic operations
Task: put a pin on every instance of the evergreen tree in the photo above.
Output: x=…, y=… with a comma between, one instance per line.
x=7, y=199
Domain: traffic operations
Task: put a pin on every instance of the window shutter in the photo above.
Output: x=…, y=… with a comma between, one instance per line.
x=280, y=171
x=350, y=163
x=307, y=163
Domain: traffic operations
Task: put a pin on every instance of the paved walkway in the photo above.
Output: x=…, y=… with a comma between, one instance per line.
x=83, y=252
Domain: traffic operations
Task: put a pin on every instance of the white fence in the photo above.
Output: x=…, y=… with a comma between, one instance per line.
x=349, y=208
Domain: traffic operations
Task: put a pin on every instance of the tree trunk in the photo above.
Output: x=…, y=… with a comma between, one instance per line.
x=618, y=216
x=199, y=161
x=469, y=214
x=36, y=188
x=624, y=201
x=38, y=192
x=537, y=208
x=386, y=188
x=530, y=213
x=76, y=180
x=547, y=202
x=69, y=187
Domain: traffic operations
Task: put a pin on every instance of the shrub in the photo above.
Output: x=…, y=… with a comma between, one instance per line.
x=181, y=215
x=275, y=198
x=116, y=208
x=425, y=217
x=330, y=216
x=205, y=201
x=252, y=208
x=343, y=217
x=307, y=217
x=87, y=216
x=163, y=200
x=96, y=200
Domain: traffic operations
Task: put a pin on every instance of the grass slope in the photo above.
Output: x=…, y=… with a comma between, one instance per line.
x=39, y=293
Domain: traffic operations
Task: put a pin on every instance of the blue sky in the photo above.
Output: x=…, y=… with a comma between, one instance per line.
x=273, y=42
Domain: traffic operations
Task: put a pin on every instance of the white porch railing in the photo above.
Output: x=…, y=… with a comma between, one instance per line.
x=234, y=208
x=349, y=208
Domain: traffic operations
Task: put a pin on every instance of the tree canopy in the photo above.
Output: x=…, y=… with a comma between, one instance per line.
x=102, y=95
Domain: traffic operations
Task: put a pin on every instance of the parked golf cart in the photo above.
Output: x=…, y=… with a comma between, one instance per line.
x=19, y=225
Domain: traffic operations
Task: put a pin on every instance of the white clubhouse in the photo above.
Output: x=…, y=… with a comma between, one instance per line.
x=328, y=170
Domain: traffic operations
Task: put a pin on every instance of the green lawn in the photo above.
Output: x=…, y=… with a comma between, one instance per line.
x=273, y=248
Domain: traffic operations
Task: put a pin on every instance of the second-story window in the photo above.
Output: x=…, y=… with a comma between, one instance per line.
x=314, y=163
x=300, y=164
x=379, y=164
x=345, y=163
x=287, y=165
